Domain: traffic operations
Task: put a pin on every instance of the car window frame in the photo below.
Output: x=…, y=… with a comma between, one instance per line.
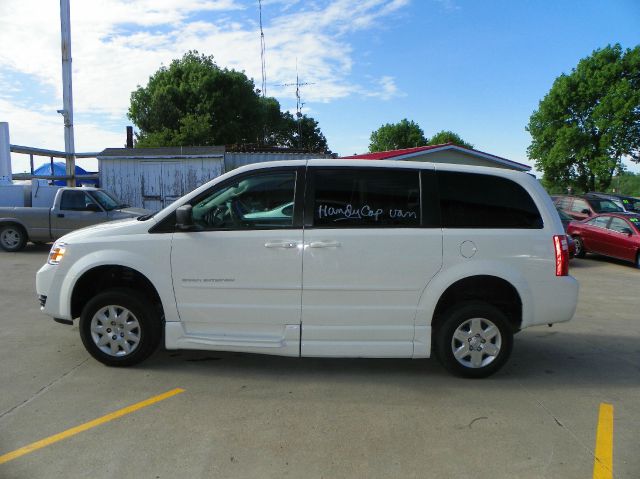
x=168, y=224
x=86, y=195
x=633, y=232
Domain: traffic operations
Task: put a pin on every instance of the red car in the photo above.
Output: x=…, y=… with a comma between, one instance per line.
x=612, y=234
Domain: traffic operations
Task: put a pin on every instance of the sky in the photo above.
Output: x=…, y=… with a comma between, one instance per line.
x=477, y=67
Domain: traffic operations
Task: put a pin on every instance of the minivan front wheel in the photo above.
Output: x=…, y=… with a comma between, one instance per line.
x=474, y=340
x=120, y=327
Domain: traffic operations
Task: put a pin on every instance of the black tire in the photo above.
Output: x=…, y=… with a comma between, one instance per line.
x=638, y=259
x=142, y=327
x=13, y=237
x=455, y=320
x=580, y=252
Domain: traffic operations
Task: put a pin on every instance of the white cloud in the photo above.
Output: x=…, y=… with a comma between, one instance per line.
x=118, y=44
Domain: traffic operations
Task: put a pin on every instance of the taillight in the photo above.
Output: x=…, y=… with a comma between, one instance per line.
x=561, y=247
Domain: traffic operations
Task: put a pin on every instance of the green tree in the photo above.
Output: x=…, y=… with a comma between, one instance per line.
x=589, y=121
x=626, y=183
x=447, y=136
x=394, y=136
x=195, y=102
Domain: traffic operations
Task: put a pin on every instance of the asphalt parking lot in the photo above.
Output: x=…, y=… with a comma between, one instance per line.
x=249, y=416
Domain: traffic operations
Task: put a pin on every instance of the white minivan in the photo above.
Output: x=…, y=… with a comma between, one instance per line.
x=323, y=258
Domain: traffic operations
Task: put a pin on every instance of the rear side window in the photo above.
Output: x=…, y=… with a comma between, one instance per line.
x=564, y=203
x=360, y=198
x=469, y=200
x=599, y=221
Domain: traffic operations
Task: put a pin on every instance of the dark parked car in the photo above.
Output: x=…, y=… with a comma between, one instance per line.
x=566, y=220
x=585, y=206
x=616, y=235
x=627, y=203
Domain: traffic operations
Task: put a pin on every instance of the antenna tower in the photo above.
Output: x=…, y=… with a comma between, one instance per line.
x=299, y=102
x=262, y=54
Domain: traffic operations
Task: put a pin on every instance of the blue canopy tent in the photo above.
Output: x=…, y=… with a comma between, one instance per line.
x=59, y=169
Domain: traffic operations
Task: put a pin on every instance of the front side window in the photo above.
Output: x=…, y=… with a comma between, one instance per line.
x=373, y=198
x=261, y=201
x=469, y=200
x=74, y=200
x=605, y=206
x=620, y=226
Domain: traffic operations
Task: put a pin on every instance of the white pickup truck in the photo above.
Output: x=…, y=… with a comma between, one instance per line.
x=41, y=213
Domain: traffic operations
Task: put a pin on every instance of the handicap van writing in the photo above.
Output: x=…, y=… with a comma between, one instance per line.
x=364, y=212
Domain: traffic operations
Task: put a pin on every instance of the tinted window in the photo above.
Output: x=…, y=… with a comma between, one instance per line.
x=76, y=201
x=354, y=198
x=261, y=201
x=470, y=200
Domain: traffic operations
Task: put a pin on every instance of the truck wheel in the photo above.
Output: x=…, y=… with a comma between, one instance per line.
x=580, y=252
x=12, y=237
x=474, y=340
x=120, y=327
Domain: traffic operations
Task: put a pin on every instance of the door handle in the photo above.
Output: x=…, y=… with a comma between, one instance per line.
x=324, y=244
x=60, y=215
x=281, y=244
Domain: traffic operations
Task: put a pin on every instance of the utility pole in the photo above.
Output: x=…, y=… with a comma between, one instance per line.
x=67, y=92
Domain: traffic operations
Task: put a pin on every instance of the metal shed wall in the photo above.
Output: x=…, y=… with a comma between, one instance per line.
x=154, y=182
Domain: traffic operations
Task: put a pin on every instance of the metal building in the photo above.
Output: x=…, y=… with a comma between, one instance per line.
x=152, y=178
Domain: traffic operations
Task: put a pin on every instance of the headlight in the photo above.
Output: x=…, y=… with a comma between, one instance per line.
x=57, y=253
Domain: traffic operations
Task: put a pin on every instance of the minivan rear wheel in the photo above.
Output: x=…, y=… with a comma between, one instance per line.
x=474, y=340
x=120, y=327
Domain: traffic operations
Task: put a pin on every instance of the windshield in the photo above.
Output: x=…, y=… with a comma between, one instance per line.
x=631, y=204
x=604, y=206
x=105, y=200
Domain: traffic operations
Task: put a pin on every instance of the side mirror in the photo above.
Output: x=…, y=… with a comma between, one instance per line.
x=184, y=218
x=586, y=212
x=93, y=207
x=626, y=231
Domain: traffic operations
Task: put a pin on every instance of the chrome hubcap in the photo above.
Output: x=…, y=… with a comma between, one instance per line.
x=476, y=343
x=115, y=330
x=10, y=238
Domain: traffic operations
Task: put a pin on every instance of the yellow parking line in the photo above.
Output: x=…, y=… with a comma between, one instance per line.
x=86, y=426
x=603, y=461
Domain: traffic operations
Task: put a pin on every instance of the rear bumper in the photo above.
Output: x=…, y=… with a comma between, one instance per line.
x=554, y=301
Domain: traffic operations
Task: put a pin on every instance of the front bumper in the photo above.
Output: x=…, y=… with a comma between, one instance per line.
x=51, y=297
